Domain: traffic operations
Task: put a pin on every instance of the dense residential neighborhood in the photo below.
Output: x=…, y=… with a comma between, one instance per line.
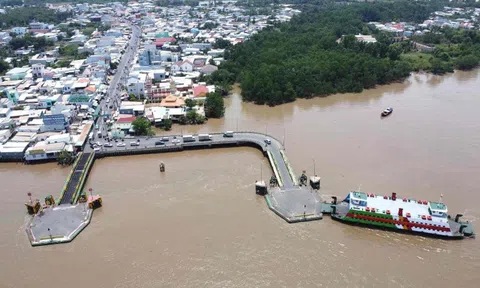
x=54, y=94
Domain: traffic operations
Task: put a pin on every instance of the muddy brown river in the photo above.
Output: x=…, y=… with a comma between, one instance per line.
x=200, y=224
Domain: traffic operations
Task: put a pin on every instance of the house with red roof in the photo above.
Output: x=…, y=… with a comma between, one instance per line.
x=159, y=42
x=200, y=91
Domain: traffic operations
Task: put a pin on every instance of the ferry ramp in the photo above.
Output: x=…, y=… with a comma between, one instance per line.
x=77, y=178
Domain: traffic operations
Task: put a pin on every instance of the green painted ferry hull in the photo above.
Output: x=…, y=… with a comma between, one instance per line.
x=389, y=227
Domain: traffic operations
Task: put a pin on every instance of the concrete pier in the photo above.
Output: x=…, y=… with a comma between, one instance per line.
x=290, y=201
x=59, y=224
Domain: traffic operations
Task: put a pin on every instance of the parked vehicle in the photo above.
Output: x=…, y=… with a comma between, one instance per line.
x=228, y=134
x=204, y=137
x=188, y=138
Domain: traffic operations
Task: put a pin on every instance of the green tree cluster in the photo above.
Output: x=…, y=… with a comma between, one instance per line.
x=39, y=43
x=190, y=103
x=302, y=58
x=192, y=118
x=142, y=127
x=459, y=48
x=167, y=124
x=4, y=67
x=165, y=3
x=69, y=50
x=65, y=158
x=214, y=105
x=22, y=16
x=222, y=44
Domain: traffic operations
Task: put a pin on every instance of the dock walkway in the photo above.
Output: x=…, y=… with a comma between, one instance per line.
x=77, y=178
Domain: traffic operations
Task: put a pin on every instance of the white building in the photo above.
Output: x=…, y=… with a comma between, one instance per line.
x=38, y=70
x=137, y=84
x=182, y=66
x=19, y=30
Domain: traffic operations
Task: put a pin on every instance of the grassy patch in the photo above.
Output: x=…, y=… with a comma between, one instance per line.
x=418, y=61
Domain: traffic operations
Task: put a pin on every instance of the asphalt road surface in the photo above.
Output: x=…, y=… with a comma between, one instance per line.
x=112, y=98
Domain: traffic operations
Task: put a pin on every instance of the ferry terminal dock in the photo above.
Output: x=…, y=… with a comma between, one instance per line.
x=62, y=223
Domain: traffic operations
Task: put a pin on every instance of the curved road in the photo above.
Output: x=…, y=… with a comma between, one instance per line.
x=217, y=139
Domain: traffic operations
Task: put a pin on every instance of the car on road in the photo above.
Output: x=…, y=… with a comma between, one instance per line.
x=96, y=149
x=134, y=144
x=98, y=144
x=268, y=141
x=175, y=141
x=121, y=144
x=108, y=145
x=165, y=139
x=158, y=143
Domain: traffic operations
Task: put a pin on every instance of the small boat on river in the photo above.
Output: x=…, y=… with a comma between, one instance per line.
x=387, y=112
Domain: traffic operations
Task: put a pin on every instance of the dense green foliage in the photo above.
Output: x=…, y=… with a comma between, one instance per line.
x=167, y=124
x=190, y=103
x=3, y=67
x=165, y=3
x=214, y=105
x=316, y=53
x=302, y=58
x=22, y=16
x=222, y=44
x=459, y=48
x=142, y=127
x=65, y=158
x=39, y=43
x=192, y=118
x=69, y=50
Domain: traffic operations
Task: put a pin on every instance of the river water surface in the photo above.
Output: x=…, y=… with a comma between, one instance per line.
x=200, y=224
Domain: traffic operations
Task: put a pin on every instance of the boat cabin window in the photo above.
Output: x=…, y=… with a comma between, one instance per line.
x=438, y=210
x=358, y=199
x=438, y=214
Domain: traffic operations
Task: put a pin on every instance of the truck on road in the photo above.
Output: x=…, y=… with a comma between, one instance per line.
x=188, y=138
x=204, y=137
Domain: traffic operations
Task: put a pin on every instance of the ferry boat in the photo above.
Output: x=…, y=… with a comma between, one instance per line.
x=400, y=214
